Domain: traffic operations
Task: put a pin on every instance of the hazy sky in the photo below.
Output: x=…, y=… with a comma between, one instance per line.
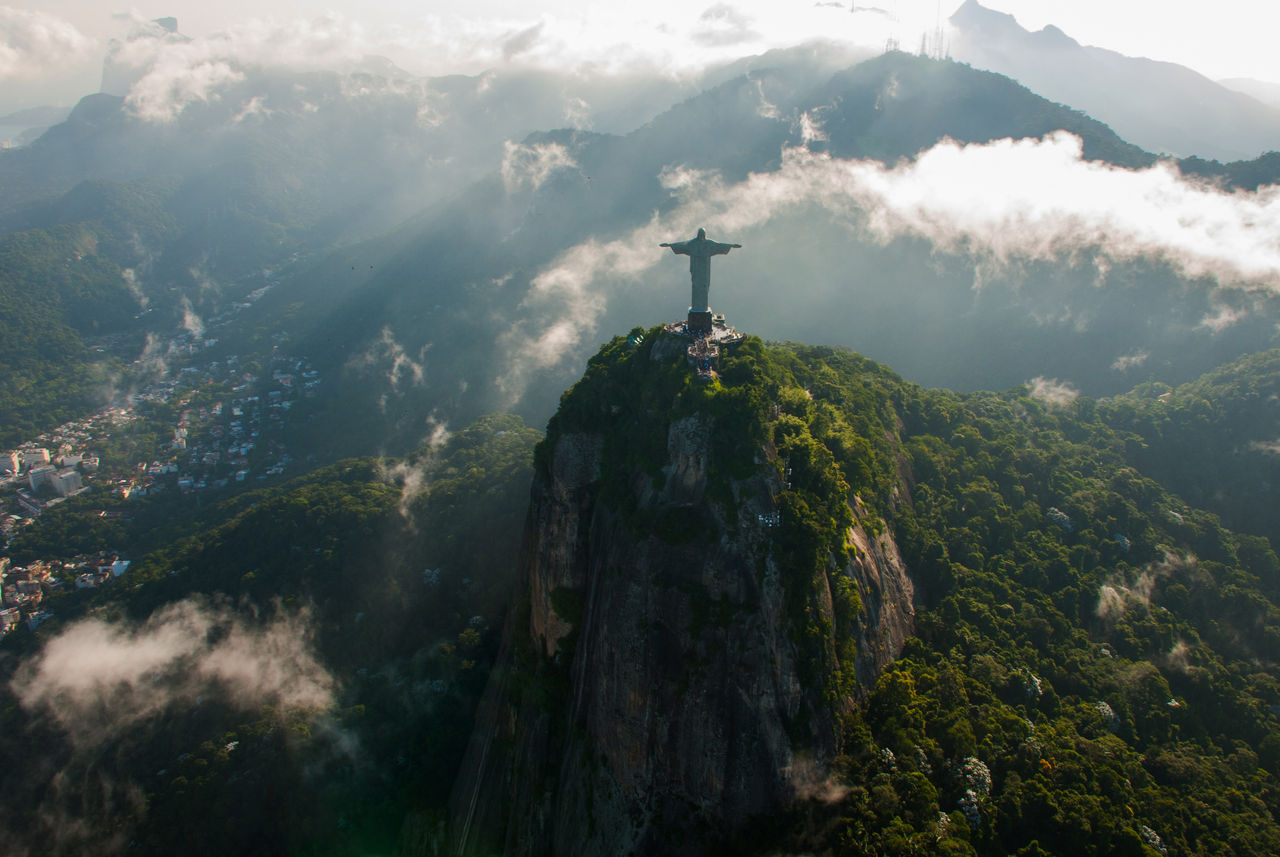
x=51, y=50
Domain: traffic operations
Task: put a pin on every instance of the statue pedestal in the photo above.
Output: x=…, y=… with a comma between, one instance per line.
x=700, y=320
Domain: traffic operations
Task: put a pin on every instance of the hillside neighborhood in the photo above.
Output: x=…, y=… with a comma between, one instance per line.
x=201, y=428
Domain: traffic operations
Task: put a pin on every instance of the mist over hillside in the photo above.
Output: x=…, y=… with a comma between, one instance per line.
x=947, y=221
x=885, y=208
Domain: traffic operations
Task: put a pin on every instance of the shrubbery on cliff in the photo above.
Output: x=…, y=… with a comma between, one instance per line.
x=1095, y=665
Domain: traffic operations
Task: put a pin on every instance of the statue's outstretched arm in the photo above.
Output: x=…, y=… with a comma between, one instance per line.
x=715, y=248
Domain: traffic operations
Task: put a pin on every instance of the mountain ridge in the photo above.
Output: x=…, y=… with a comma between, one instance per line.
x=1160, y=106
x=705, y=654
x=1066, y=672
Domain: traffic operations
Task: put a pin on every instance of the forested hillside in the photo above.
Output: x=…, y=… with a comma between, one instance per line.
x=315, y=650
x=1093, y=669
x=1215, y=441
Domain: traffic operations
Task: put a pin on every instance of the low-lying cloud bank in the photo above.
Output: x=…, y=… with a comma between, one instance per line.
x=33, y=43
x=665, y=39
x=1003, y=204
x=98, y=678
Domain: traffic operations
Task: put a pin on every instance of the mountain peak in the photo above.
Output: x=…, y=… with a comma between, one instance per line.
x=1160, y=106
x=977, y=19
x=972, y=15
x=692, y=559
x=1051, y=36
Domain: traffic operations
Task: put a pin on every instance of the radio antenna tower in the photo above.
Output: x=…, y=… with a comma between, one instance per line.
x=891, y=43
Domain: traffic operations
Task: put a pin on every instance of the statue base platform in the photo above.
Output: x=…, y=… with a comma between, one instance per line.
x=703, y=351
x=700, y=320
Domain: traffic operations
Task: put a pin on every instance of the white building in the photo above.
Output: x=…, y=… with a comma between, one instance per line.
x=35, y=457
x=117, y=568
x=41, y=476
x=67, y=481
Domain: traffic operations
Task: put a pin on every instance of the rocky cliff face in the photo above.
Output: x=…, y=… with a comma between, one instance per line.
x=661, y=684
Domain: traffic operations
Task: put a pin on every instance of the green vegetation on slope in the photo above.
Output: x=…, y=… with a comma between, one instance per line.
x=69, y=276
x=396, y=573
x=1214, y=441
x=1094, y=670
x=1094, y=665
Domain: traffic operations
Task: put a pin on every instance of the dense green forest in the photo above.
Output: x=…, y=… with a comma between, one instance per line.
x=394, y=572
x=75, y=271
x=1093, y=670
x=1214, y=441
x=1094, y=664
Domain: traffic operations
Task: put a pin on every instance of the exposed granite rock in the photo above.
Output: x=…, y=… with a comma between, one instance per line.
x=653, y=696
x=888, y=615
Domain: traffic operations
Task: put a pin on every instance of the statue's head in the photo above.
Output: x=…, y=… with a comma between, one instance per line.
x=702, y=233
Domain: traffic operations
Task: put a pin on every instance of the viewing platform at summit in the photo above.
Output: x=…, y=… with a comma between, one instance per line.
x=707, y=330
x=704, y=350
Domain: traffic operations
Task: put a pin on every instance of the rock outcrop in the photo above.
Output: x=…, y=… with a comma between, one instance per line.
x=660, y=684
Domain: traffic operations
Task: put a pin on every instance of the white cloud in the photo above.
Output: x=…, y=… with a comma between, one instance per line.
x=722, y=24
x=577, y=113
x=1125, y=362
x=255, y=106
x=809, y=128
x=387, y=355
x=34, y=43
x=1222, y=317
x=175, y=72
x=96, y=678
x=531, y=165
x=1003, y=204
x=172, y=71
x=169, y=87
x=522, y=41
x=1110, y=602
x=154, y=359
x=191, y=322
x=411, y=475
x=130, y=277
x=1052, y=392
x=1178, y=657
x=766, y=109
x=555, y=314
x=1118, y=593
x=1039, y=199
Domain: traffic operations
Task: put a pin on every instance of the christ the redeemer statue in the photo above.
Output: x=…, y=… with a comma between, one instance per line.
x=700, y=250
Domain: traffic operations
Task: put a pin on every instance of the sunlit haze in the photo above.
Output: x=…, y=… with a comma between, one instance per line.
x=52, y=49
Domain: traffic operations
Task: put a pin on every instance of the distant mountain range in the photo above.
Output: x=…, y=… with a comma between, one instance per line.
x=1267, y=93
x=459, y=286
x=1160, y=106
x=23, y=126
x=419, y=215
